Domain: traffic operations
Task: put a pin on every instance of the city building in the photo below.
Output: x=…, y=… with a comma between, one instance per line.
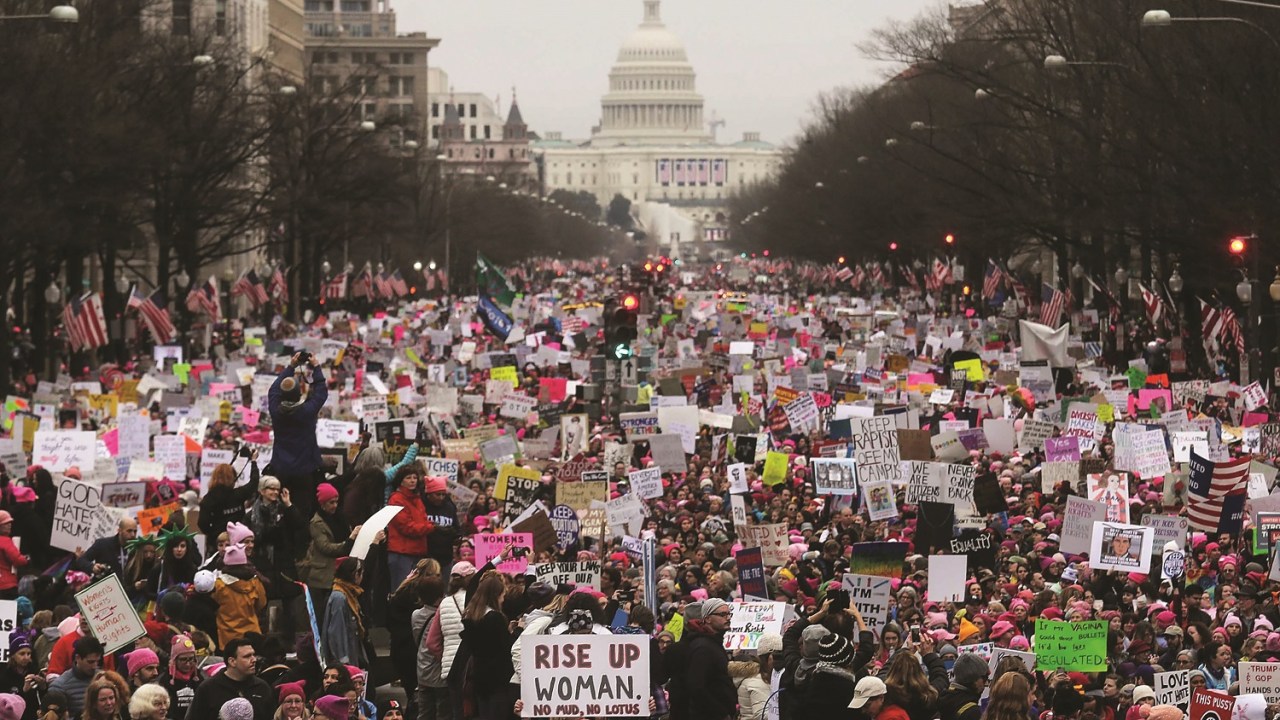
x=287, y=41
x=655, y=146
x=354, y=43
x=480, y=115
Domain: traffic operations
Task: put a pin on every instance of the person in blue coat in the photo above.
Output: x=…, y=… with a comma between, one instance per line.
x=294, y=402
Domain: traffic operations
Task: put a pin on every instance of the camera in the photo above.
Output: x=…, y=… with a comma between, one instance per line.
x=839, y=600
x=519, y=552
x=626, y=594
x=915, y=633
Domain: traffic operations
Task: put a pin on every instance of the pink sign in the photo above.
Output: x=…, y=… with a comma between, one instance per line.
x=490, y=546
x=1062, y=449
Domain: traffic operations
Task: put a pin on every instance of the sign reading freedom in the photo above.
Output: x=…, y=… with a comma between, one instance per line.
x=1068, y=646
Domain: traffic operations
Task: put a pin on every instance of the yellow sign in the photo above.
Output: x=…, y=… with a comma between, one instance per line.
x=510, y=471
x=675, y=626
x=128, y=391
x=775, y=468
x=105, y=404
x=506, y=372
x=973, y=369
x=1106, y=413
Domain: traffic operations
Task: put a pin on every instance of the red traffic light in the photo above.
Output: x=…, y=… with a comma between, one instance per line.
x=1237, y=246
x=950, y=239
x=630, y=302
x=893, y=246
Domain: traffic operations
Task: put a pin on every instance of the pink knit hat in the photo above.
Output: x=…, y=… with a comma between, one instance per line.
x=237, y=533
x=235, y=555
x=139, y=659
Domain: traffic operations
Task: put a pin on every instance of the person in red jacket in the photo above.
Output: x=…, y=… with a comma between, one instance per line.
x=407, y=533
x=10, y=559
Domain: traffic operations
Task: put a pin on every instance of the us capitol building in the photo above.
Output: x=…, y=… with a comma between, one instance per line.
x=653, y=147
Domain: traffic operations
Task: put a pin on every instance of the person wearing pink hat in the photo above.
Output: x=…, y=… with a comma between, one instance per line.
x=1001, y=633
x=331, y=538
x=443, y=514
x=142, y=666
x=11, y=559
x=240, y=596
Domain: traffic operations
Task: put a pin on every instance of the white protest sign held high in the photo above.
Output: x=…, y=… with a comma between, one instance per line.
x=211, y=458
x=578, y=574
x=751, y=621
x=875, y=448
x=584, y=675
x=1260, y=678
x=1117, y=546
x=1077, y=524
x=376, y=522
x=646, y=483
x=75, y=515
x=124, y=494
x=1167, y=527
x=1172, y=688
x=57, y=450
x=999, y=653
x=738, y=478
x=440, y=467
x=336, y=433
x=870, y=595
x=111, y=617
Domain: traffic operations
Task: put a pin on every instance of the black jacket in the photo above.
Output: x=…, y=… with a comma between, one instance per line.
x=440, y=540
x=959, y=703
x=217, y=690
x=700, y=687
x=224, y=505
x=104, y=551
x=827, y=695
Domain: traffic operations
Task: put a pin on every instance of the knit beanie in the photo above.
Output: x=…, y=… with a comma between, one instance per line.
x=236, y=709
x=970, y=668
x=333, y=707
x=810, y=641
x=835, y=649
x=141, y=658
x=12, y=707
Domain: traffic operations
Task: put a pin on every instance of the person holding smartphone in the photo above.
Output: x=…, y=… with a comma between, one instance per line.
x=294, y=400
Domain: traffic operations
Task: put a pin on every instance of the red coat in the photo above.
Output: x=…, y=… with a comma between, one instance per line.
x=407, y=533
x=10, y=561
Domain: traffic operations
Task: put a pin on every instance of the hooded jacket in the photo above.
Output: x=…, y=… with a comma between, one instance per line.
x=753, y=691
x=217, y=690
x=295, y=452
x=700, y=687
x=959, y=702
x=239, y=602
x=409, y=529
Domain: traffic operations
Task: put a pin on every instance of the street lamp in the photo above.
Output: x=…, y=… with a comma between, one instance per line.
x=289, y=90
x=431, y=265
x=122, y=285
x=59, y=14
x=1162, y=19
x=1175, y=281
x=981, y=94
x=1244, y=289
x=202, y=60
x=325, y=267
x=368, y=126
x=891, y=142
x=53, y=294
x=1077, y=270
x=411, y=145
x=417, y=266
x=1059, y=64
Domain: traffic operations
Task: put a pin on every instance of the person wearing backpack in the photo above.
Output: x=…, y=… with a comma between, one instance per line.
x=960, y=701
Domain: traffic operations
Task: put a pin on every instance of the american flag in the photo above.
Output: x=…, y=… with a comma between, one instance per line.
x=993, y=281
x=398, y=284
x=719, y=171
x=1220, y=329
x=336, y=288
x=844, y=274
x=154, y=313
x=877, y=275
x=86, y=325
x=382, y=285
x=1113, y=305
x=362, y=285
x=664, y=172
x=1231, y=335
x=909, y=275
x=859, y=277
x=205, y=299
x=251, y=287
x=941, y=273
x=1216, y=493
x=278, y=286
x=573, y=325
x=1052, y=303
x=1020, y=292
x=1153, y=304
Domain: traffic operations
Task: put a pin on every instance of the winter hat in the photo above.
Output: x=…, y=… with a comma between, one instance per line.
x=712, y=605
x=204, y=580
x=463, y=569
x=835, y=649
x=73, y=472
x=970, y=668
x=238, y=533
x=294, y=688
x=141, y=658
x=181, y=645
x=326, y=492
x=235, y=555
x=811, y=641
x=1020, y=642
x=5, y=517
x=290, y=389
x=769, y=643
x=1143, y=692
x=333, y=707
x=24, y=494
x=1231, y=620
x=17, y=641
x=1164, y=712
x=236, y=709
x=12, y=707
x=437, y=484
x=1262, y=623
x=967, y=629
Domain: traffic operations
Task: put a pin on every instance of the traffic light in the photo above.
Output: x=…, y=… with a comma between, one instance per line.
x=1237, y=246
x=621, y=326
x=950, y=239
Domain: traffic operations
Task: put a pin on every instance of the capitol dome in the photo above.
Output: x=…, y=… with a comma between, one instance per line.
x=653, y=97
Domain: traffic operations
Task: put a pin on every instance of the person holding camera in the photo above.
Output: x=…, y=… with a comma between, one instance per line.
x=294, y=402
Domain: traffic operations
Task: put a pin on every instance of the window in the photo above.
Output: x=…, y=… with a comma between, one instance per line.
x=360, y=30
x=368, y=110
x=490, y=153
x=635, y=178
x=402, y=86
x=220, y=18
x=511, y=154
x=435, y=109
x=568, y=179
x=401, y=58
x=355, y=6
x=462, y=110
x=488, y=134
x=473, y=109
x=320, y=29
x=435, y=132
x=319, y=6
x=473, y=131
x=181, y=17
x=367, y=85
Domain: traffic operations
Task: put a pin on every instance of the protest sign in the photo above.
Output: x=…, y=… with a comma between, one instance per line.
x=875, y=448
x=880, y=501
x=579, y=495
x=924, y=481
x=1262, y=678
x=1210, y=705
x=1117, y=546
x=978, y=546
x=57, y=450
x=1166, y=527
x=376, y=523
x=584, y=675
x=883, y=559
x=947, y=575
x=1077, y=524
x=1072, y=646
x=124, y=494
x=1172, y=688
x=1062, y=449
x=772, y=540
x=870, y=595
x=509, y=472
x=110, y=615
x=76, y=521
x=567, y=526
x=750, y=621
x=646, y=483
x=1112, y=490
x=957, y=486
x=577, y=574
x=834, y=477
x=1150, y=457
x=490, y=545
x=751, y=574
x=738, y=478
x=999, y=653
x=8, y=623
x=336, y=433
x=440, y=467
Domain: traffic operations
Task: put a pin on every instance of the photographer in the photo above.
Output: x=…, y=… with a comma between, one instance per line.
x=294, y=403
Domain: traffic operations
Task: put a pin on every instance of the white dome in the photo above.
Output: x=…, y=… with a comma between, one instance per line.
x=650, y=43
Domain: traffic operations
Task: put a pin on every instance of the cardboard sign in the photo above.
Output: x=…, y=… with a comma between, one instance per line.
x=751, y=580
x=1260, y=678
x=124, y=494
x=646, y=483
x=1210, y=704
x=150, y=520
x=76, y=516
x=772, y=540
x=1072, y=646
x=751, y=621
x=1167, y=527
x=584, y=675
x=509, y=472
x=1172, y=688
x=336, y=433
x=875, y=448
x=1117, y=546
x=579, y=495
x=110, y=615
x=835, y=477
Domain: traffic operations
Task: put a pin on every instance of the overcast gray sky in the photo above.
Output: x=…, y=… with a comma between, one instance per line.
x=760, y=63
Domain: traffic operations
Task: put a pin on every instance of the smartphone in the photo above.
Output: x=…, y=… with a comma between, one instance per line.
x=915, y=633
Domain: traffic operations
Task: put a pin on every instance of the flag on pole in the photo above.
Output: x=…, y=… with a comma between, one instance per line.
x=492, y=282
x=362, y=285
x=278, y=286
x=941, y=273
x=1052, y=303
x=398, y=284
x=85, y=322
x=250, y=286
x=1216, y=493
x=992, y=281
x=1152, y=303
x=154, y=313
x=382, y=283
x=336, y=288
